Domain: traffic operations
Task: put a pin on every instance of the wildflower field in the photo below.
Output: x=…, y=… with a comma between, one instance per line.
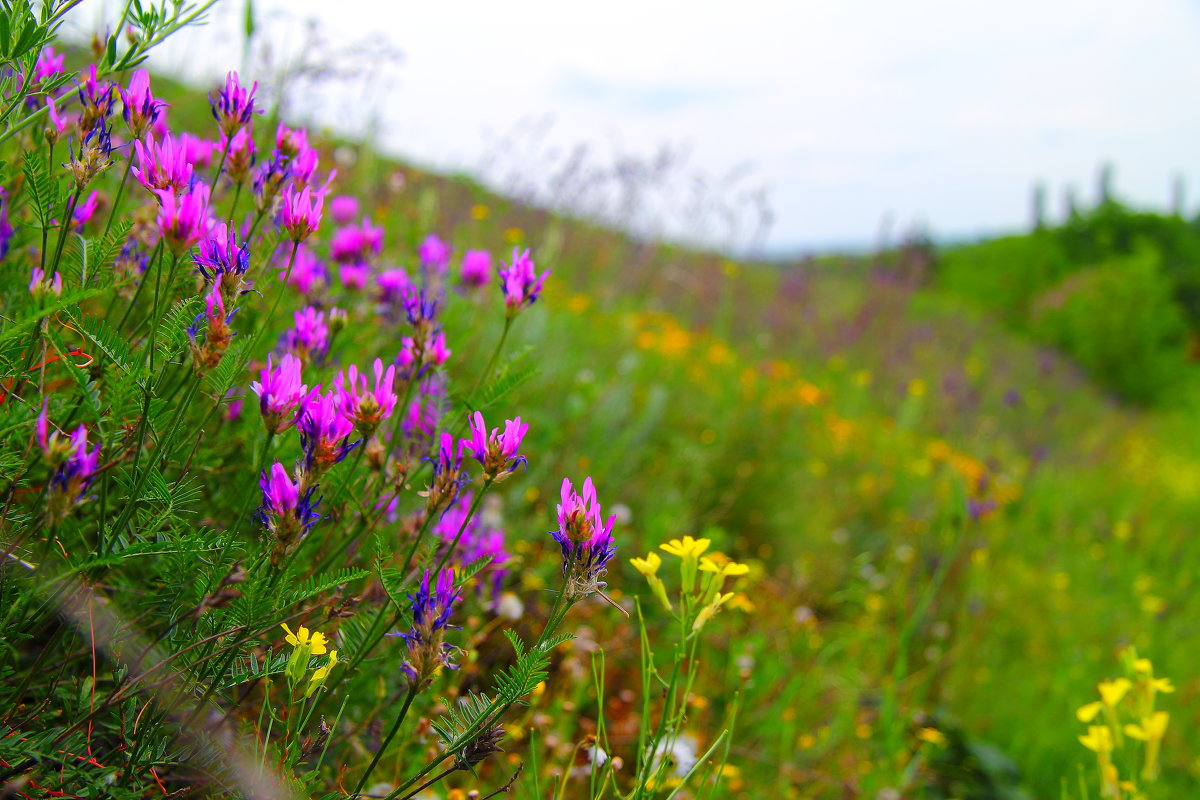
x=324, y=476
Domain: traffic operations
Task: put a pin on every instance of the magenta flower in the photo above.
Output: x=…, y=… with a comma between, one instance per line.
x=280, y=393
x=183, y=218
x=520, y=282
x=496, y=452
x=303, y=166
x=74, y=467
x=354, y=242
x=221, y=259
x=217, y=333
x=233, y=106
x=197, y=151
x=290, y=141
x=239, y=153
x=307, y=269
x=356, y=275
x=476, y=268
x=85, y=211
x=360, y=403
x=40, y=287
x=58, y=123
x=434, y=254
x=393, y=284
x=140, y=108
x=162, y=166
x=49, y=63
x=324, y=431
x=447, y=475
x=288, y=511
x=343, y=209
x=96, y=99
x=428, y=652
x=585, y=539
x=300, y=214
x=417, y=356
x=309, y=337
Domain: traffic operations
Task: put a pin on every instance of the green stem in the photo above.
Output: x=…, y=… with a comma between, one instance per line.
x=112, y=213
x=412, y=693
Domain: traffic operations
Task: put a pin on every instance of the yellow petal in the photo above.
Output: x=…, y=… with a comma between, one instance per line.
x=648, y=565
x=1162, y=685
x=1112, y=692
x=1088, y=712
x=1136, y=732
x=291, y=637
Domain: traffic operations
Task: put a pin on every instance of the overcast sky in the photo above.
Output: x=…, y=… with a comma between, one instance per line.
x=851, y=113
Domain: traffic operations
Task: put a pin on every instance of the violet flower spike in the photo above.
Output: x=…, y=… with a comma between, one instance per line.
x=585, y=539
x=308, y=338
x=280, y=393
x=49, y=63
x=217, y=333
x=496, y=452
x=233, y=106
x=448, y=477
x=428, y=652
x=288, y=511
x=476, y=269
x=140, y=110
x=72, y=477
x=434, y=254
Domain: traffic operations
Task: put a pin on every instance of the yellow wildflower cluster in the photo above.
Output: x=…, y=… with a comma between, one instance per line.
x=696, y=608
x=305, y=645
x=1124, y=714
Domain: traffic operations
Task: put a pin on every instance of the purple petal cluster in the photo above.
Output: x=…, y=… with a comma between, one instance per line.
x=280, y=392
x=73, y=463
x=164, y=165
x=140, y=109
x=183, y=217
x=233, y=106
x=520, y=282
x=288, y=511
x=585, y=538
x=496, y=451
x=365, y=406
x=308, y=338
x=324, y=432
x=428, y=652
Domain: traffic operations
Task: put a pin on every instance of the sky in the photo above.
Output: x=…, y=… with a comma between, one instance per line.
x=857, y=119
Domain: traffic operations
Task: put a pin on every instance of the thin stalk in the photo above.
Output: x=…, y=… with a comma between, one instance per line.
x=487, y=484
x=412, y=693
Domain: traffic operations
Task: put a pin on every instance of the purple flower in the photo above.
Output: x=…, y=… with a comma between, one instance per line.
x=520, y=282
x=309, y=336
x=354, y=242
x=300, y=215
x=96, y=99
x=303, y=165
x=183, y=218
x=7, y=231
x=393, y=284
x=476, y=268
x=434, y=254
x=447, y=475
x=367, y=407
x=290, y=141
x=288, y=511
x=39, y=286
x=85, y=211
x=496, y=452
x=140, y=108
x=239, y=152
x=356, y=275
x=58, y=123
x=307, y=269
x=418, y=356
x=217, y=333
x=585, y=538
x=74, y=467
x=233, y=106
x=221, y=259
x=49, y=63
x=428, y=652
x=162, y=166
x=343, y=209
x=420, y=309
x=280, y=393
x=324, y=432
x=197, y=151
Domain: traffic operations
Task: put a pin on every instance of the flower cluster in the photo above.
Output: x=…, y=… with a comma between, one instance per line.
x=288, y=511
x=520, y=282
x=73, y=464
x=496, y=452
x=585, y=538
x=428, y=652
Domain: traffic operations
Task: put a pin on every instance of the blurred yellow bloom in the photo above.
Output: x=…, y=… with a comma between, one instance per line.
x=1088, y=712
x=932, y=736
x=1098, y=739
x=707, y=612
x=480, y=212
x=729, y=568
x=687, y=547
x=315, y=642
x=649, y=565
x=1112, y=692
x=1152, y=729
x=514, y=235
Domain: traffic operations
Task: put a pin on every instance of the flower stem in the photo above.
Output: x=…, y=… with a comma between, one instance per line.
x=412, y=693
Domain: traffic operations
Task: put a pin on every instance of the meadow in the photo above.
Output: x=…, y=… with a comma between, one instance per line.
x=327, y=476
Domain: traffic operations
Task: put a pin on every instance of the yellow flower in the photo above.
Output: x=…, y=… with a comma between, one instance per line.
x=686, y=547
x=932, y=736
x=317, y=680
x=479, y=212
x=1088, y=712
x=1151, y=729
x=707, y=612
x=1112, y=692
x=1098, y=739
x=1163, y=685
x=729, y=568
x=649, y=565
x=315, y=642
